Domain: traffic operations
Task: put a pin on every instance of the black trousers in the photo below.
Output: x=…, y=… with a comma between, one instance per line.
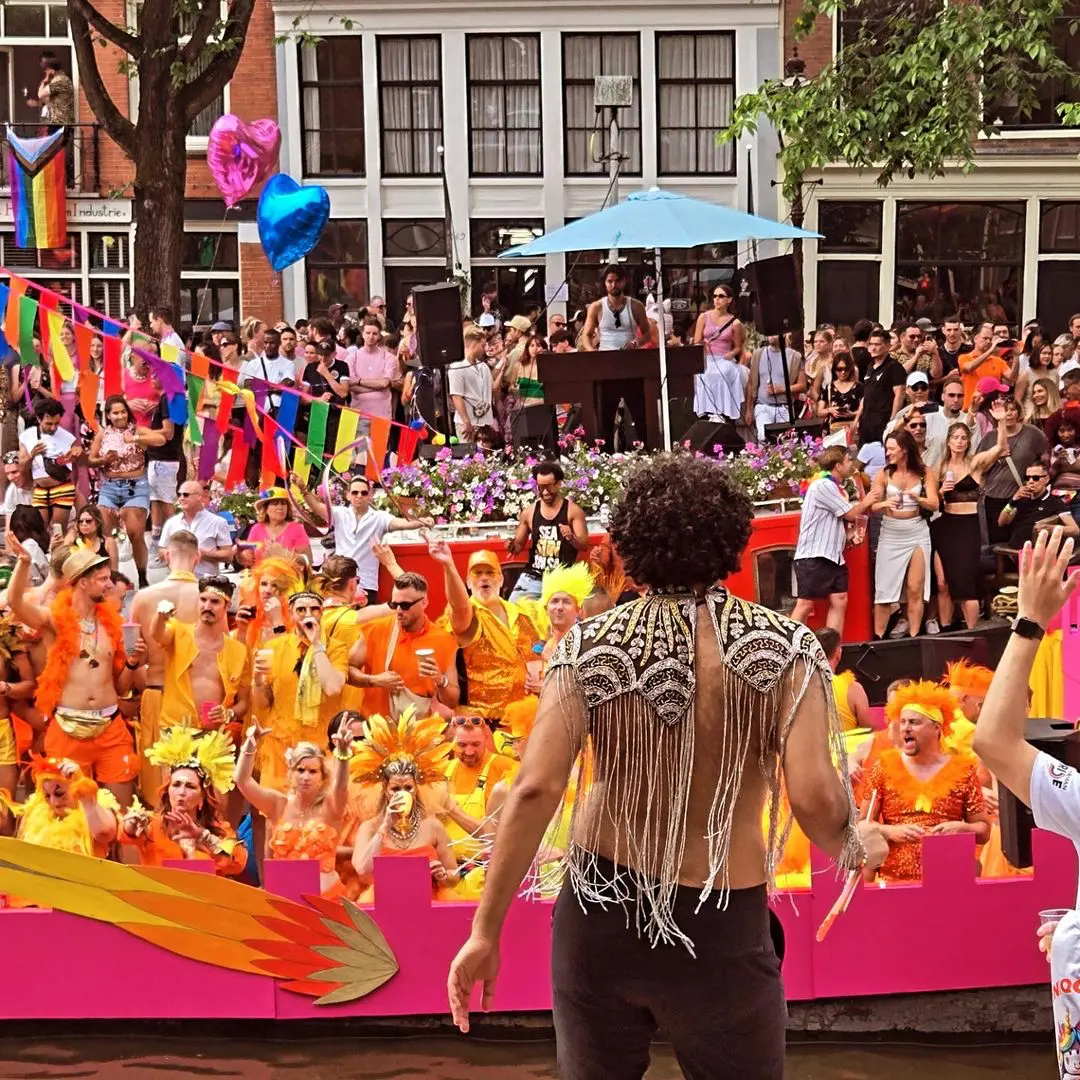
x=723, y=1011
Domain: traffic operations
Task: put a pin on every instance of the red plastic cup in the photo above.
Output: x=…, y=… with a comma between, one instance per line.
x=205, y=708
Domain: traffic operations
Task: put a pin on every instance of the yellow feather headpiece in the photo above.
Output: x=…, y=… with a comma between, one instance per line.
x=576, y=581
x=407, y=747
x=210, y=754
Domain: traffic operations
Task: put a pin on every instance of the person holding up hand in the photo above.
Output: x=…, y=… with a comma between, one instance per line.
x=1050, y=787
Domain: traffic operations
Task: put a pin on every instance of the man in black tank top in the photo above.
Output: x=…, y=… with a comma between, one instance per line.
x=554, y=528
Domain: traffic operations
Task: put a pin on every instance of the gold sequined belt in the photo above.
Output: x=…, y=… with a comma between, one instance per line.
x=84, y=723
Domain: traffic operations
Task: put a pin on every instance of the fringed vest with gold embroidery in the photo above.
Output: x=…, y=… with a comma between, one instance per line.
x=634, y=669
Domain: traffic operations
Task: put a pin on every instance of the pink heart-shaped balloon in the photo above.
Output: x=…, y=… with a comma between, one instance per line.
x=242, y=155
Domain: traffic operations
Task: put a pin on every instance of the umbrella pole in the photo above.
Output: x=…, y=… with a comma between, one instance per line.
x=665, y=400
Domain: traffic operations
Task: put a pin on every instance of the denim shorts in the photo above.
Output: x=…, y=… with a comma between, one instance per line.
x=119, y=494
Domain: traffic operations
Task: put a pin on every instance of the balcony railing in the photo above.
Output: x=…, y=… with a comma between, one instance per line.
x=83, y=155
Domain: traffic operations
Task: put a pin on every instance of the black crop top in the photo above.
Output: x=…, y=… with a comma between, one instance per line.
x=966, y=491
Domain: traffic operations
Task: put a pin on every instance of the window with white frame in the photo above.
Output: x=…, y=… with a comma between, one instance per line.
x=410, y=104
x=109, y=267
x=29, y=20
x=1058, y=266
x=584, y=57
x=504, y=105
x=332, y=106
x=695, y=95
x=209, y=278
x=849, y=260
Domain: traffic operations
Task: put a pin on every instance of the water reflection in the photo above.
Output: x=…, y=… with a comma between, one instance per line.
x=336, y=1058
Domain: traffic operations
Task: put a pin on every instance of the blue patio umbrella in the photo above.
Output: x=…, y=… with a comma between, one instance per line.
x=659, y=219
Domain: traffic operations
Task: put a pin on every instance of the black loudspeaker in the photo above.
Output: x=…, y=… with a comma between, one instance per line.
x=878, y=663
x=703, y=435
x=428, y=451
x=775, y=291
x=534, y=427
x=1060, y=740
x=810, y=426
x=438, y=324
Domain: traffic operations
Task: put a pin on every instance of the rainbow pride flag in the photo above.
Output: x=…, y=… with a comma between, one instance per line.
x=38, y=200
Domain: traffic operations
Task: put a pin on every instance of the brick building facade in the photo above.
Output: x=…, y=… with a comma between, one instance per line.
x=1004, y=237
x=225, y=273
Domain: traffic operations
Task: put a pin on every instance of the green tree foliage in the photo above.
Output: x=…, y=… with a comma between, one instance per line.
x=913, y=88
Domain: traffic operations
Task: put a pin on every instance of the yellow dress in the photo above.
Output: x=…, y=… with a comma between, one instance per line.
x=286, y=727
x=495, y=656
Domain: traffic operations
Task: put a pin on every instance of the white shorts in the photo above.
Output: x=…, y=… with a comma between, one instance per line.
x=162, y=476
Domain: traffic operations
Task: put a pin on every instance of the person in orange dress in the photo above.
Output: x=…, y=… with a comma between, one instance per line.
x=305, y=822
x=191, y=823
x=401, y=758
x=921, y=788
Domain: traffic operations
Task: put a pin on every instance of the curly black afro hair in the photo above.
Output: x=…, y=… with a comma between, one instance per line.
x=682, y=521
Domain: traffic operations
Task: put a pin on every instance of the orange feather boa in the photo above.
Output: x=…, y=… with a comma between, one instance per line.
x=65, y=648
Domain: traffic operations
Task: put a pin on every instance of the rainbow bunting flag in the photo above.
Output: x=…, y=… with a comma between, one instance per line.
x=38, y=201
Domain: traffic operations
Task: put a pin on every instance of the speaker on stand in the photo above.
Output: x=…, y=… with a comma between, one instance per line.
x=440, y=343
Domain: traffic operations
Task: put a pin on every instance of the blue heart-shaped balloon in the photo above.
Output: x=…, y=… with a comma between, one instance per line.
x=291, y=219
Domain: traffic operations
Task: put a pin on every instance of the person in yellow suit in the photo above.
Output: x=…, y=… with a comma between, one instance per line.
x=496, y=637
x=297, y=684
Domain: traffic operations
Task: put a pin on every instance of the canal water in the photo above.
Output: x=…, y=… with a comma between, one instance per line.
x=449, y=1058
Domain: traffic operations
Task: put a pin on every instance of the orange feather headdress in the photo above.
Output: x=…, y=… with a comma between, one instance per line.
x=407, y=747
x=962, y=677
x=929, y=699
x=519, y=717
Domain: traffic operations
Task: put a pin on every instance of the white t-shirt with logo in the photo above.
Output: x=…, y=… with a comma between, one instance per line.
x=1055, y=803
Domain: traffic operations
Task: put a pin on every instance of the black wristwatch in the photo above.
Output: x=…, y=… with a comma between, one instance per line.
x=1027, y=628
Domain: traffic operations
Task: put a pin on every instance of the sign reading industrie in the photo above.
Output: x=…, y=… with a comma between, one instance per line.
x=85, y=211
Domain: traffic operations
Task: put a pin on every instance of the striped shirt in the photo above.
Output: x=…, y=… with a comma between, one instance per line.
x=821, y=530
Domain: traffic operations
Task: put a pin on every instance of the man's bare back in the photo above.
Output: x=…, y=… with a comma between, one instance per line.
x=746, y=862
x=184, y=595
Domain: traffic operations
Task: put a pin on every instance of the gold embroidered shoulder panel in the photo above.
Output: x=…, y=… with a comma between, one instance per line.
x=647, y=647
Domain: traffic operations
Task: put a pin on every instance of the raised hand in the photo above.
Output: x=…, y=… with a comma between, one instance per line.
x=1043, y=585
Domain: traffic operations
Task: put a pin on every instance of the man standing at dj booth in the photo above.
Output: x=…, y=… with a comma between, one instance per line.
x=1050, y=787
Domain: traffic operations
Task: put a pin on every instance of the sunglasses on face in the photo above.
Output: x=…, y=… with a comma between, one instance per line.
x=402, y=605
x=467, y=721
x=359, y=491
x=1036, y=478
x=916, y=427
x=721, y=296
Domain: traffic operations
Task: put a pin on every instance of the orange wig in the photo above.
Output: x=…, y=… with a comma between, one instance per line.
x=929, y=699
x=971, y=679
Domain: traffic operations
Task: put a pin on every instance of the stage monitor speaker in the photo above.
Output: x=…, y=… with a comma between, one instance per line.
x=810, y=426
x=775, y=290
x=438, y=324
x=1060, y=740
x=703, y=435
x=534, y=427
x=429, y=451
x=878, y=663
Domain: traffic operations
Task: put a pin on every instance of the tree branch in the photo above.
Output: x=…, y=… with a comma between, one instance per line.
x=117, y=126
x=208, y=19
x=202, y=90
x=86, y=11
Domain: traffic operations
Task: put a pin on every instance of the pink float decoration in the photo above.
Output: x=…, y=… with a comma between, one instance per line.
x=985, y=937
x=241, y=155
